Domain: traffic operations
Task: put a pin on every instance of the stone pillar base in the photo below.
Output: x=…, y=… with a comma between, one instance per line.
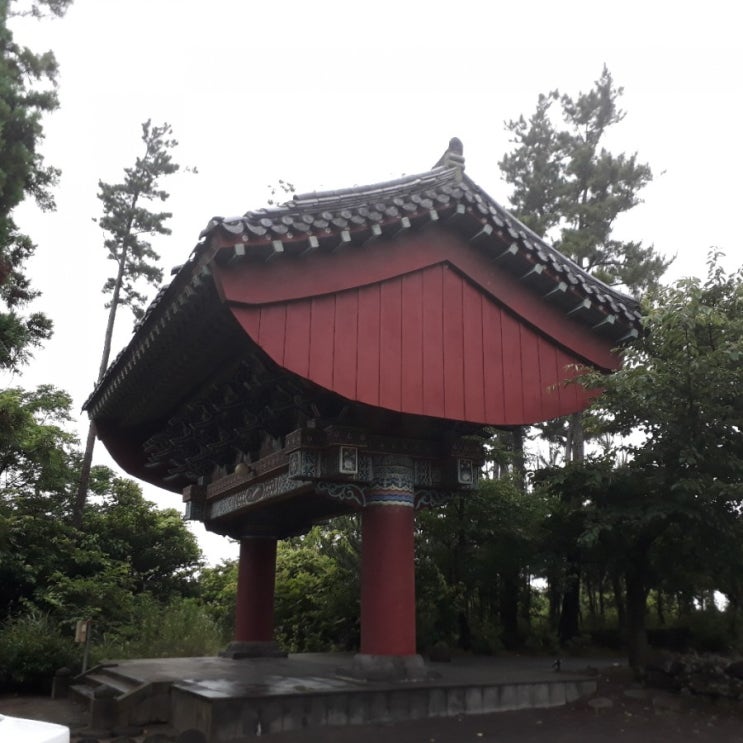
x=238, y=649
x=388, y=667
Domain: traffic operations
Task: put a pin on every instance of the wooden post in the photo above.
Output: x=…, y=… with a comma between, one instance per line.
x=388, y=574
x=256, y=578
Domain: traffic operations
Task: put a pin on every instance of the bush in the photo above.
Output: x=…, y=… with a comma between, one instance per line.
x=179, y=629
x=710, y=632
x=32, y=648
x=541, y=638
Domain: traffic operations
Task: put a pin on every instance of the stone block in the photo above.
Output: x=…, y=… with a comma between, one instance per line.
x=508, y=698
x=358, y=709
x=473, y=700
x=558, y=694
x=491, y=699
x=437, y=706
x=417, y=704
x=540, y=695
x=455, y=701
x=378, y=706
x=337, y=709
x=317, y=711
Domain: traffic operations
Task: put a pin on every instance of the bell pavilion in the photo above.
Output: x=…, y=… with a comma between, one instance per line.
x=345, y=353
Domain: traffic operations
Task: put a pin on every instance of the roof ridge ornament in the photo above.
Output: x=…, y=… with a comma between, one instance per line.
x=453, y=157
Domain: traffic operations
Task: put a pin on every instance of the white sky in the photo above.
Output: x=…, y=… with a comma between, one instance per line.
x=330, y=94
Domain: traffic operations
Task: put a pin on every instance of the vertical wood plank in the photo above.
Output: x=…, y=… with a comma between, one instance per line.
x=345, y=341
x=550, y=379
x=271, y=332
x=453, y=348
x=250, y=319
x=322, y=335
x=367, y=351
x=531, y=383
x=297, y=346
x=492, y=339
x=474, y=361
x=512, y=370
x=412, y=343
x=571, y=395
x=433, y=361
x=390, y=344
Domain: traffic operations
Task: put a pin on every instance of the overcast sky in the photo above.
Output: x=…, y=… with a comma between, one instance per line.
x=333, y=94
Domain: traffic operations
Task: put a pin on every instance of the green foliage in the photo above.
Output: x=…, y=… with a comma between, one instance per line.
x=535, y=168
x=35, y=449
x=569, y=187
x=26, y=93
x=42, y=8
x=680, y=387
x=471, y=552
x=151, y=629
x=127, y=219
x=709, y=632
x=45, y=563
x=317, y=589
x=160, y=554
x=32, y=648
x=669, y=514
x=217, y=592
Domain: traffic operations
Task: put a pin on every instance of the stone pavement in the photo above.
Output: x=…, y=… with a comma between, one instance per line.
x=625, y=712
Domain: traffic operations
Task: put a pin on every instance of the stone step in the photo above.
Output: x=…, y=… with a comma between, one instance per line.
x=104, y=678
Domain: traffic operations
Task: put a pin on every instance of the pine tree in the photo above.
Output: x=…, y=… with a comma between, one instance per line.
x=569, y=188
x=26, y=93
x=127, y=220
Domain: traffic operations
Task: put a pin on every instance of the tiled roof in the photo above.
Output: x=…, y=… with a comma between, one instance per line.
x=348, y=218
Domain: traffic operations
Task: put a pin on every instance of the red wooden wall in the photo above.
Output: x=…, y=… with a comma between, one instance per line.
x=429, y=342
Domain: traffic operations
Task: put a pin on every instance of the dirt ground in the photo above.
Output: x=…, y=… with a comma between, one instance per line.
x=621, y=710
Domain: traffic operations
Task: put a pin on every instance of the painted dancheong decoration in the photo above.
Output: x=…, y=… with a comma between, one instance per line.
x=343, y=352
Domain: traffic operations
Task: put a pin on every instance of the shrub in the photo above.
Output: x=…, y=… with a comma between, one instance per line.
x=32, y=648
x=710, y=631
x=181, y=628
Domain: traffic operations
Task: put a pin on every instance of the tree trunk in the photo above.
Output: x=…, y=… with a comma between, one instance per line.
x=519, y=459
x=555, y=599
x=575, y=446
x=82, y=488
x=659, y=608
x=509, y=609
x=590, y=592
x=637, y=639
x=526, y=599
x=616, y=585
x=569, y=626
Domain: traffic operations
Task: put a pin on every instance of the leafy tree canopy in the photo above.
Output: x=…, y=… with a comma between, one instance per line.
x=568, y=186
x=127, y=219
x=673, y=491
x=27, y=93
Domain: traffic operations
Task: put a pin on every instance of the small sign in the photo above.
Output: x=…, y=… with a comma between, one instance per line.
x=81, y=630
x=348, y=463
x=465, y=472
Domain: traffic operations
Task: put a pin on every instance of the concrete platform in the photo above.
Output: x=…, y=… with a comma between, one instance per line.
x=234, y=700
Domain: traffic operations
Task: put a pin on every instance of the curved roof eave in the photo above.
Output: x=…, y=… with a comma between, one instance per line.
x=344, y=217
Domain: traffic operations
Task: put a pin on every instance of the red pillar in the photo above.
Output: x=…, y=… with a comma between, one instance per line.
x=255, y=587
x=387, y=560
x=387, y=580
